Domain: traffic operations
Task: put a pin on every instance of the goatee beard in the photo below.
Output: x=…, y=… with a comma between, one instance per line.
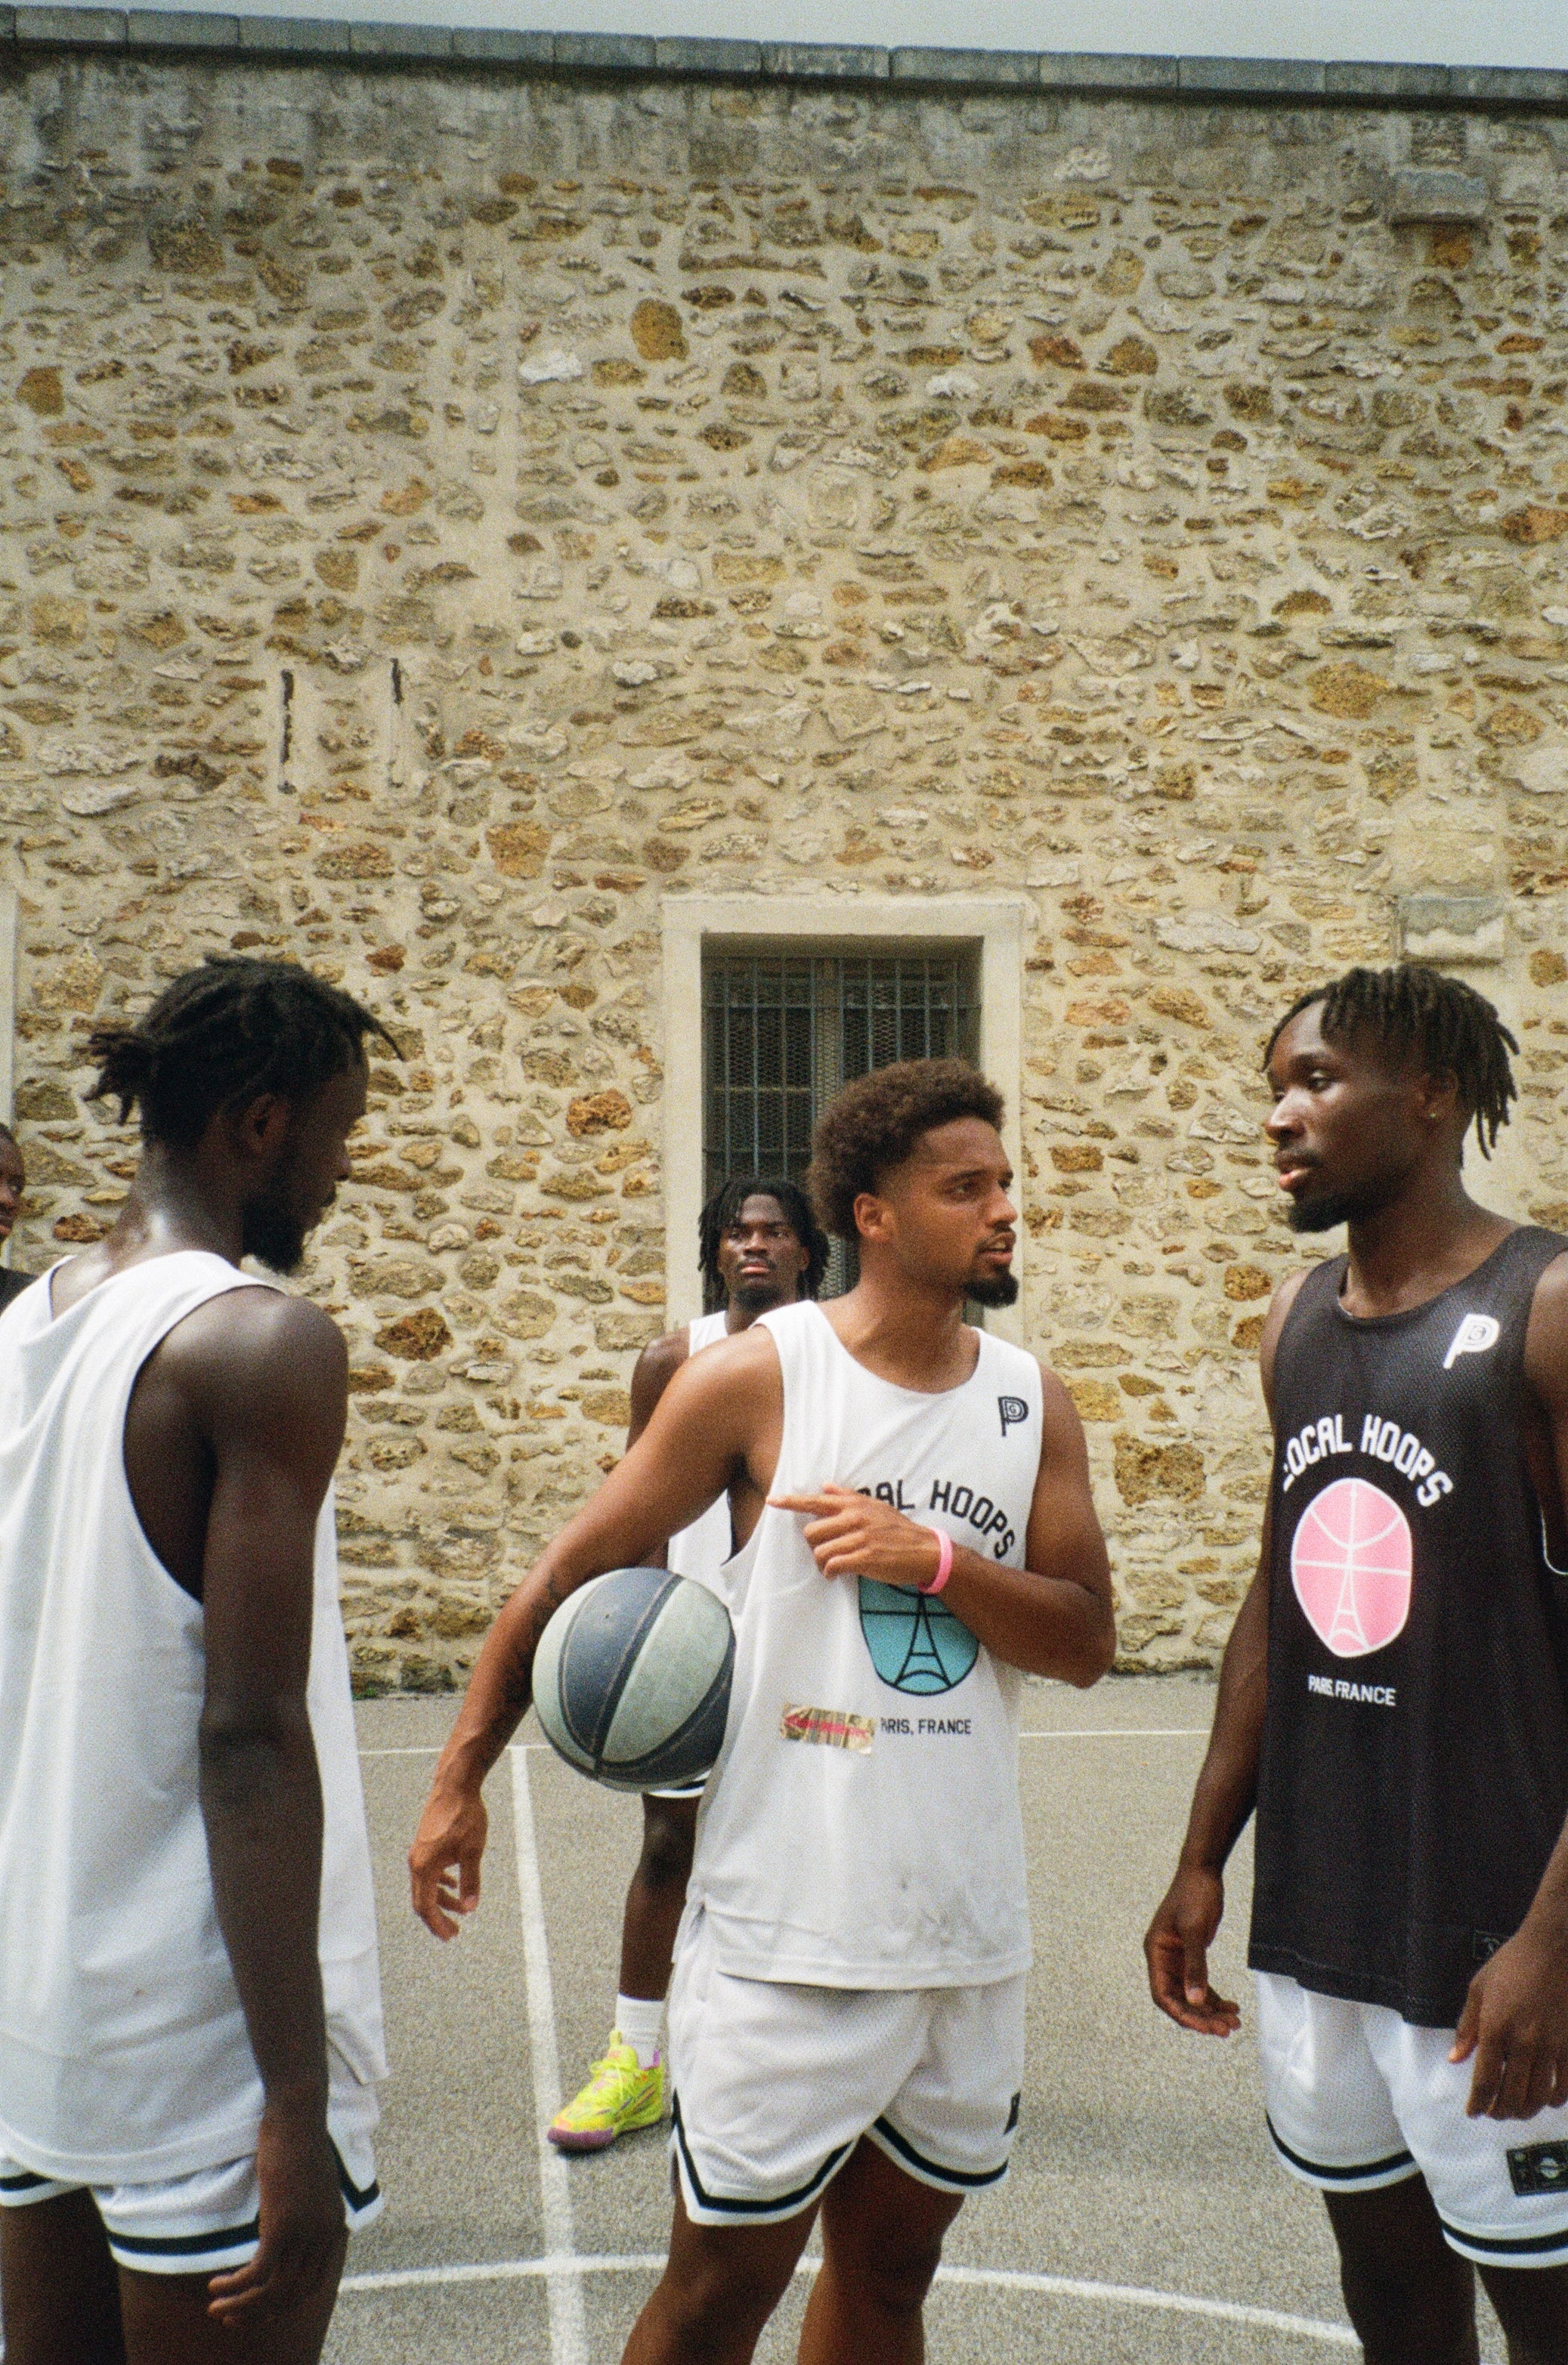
x=1001, y=1289
x=759, y=1296
x=1325, y=1212
x=274, y=1235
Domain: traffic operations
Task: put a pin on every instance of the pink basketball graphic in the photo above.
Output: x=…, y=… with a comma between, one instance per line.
x=1350, y=1563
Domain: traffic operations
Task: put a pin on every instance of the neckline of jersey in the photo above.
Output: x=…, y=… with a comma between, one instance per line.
x=920, y=1396
x=1415, y=1312
x=142, y=1264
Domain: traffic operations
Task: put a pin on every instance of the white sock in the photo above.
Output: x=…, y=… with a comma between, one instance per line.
x=637, y=2023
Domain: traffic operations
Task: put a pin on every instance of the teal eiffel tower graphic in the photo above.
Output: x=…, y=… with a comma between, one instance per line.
x=922, y=1669
x=917, y=1646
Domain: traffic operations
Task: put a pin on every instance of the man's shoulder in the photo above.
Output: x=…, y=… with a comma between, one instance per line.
x=255, y=1332
x=664, y=1355
x=1548, y=1328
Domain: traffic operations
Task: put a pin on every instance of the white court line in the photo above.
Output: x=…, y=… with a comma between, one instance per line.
x=1065, y=1732
x=1122, y=1733
x=1223, y=2311
x=569, y=2325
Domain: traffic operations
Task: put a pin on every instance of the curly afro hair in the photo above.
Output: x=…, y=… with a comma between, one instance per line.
x=875, y=1122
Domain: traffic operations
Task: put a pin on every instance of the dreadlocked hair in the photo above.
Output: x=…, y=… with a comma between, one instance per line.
x=1415, y=1013
x=224, y=1034
x=723, y=1208
x=875, y=1122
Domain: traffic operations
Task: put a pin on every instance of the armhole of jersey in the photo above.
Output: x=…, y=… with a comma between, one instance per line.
x=240, y=1281
x=1306, y=1294
x=793, y=1361
x=1551, y=1567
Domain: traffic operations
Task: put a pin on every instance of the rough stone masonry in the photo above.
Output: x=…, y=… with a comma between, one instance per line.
x=450, y=507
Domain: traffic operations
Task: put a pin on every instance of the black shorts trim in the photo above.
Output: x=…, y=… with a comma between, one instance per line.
x=194, y=2246
x=1336, y=2175
x=970, y=2180
x=358, y=2197
x=1508, y=2246
x=796, y=2200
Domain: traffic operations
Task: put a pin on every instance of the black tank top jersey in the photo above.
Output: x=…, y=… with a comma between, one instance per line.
x=1414, y=1776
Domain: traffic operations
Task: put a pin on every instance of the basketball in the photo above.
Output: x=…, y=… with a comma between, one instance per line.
x=632, y=1678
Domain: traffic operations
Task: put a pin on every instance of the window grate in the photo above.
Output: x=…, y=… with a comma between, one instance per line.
x=783, y=1031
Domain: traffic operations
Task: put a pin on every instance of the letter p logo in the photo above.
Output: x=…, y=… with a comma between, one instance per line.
x=1475, y=1334
x=1012, y=1410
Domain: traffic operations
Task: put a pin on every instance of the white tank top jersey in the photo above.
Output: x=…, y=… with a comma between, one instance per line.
x=124, y=2055
x=701, y=1549
x=861, y=1828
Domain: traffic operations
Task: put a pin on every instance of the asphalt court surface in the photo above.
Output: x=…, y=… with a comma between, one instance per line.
x=1145, y=2217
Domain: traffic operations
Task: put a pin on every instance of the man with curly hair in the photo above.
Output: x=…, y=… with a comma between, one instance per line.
x=911, y=1504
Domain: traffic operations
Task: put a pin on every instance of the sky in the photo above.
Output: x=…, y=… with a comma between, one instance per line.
x=1454, y=32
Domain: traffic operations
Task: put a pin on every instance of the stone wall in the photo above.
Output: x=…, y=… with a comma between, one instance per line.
x=448, y=512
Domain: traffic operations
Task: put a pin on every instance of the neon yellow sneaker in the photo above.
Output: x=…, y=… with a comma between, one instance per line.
x=618, y=2098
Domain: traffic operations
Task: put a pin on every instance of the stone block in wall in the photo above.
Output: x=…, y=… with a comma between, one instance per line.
x=298, y=36
x=1437, y=195
x=823, y=62
x=495, y=45
x=984, y=69
x=1235, y=77
x=605, y=52
x=1454, y=931
x=72, y=27
x=184, y=28
x=687, y=55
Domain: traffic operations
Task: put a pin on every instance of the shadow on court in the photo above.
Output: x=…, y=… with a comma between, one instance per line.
x=1145, y=2218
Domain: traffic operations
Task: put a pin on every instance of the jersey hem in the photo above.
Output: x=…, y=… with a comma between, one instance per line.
x=904, y=1978
x=213, y=2149
x=1351, y=1987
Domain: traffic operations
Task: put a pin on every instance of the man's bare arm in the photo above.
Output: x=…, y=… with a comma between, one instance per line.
x=1515, y=2022
x=711, y=1420
x=269, y=1390
x=1185, y=1928
x=656, y=1367
x=1053, y=1617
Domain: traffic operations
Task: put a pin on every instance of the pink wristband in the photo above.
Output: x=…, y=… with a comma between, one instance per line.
x=944, y=1561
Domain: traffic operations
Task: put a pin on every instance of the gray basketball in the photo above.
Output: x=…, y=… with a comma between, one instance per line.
x=632, y=1678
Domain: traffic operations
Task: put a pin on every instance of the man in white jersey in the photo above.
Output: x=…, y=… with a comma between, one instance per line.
x=190, y=2010
x=758, y=1246
x=910, y=1502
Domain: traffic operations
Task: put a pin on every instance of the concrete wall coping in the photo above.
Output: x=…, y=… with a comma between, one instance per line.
x=1260, y=82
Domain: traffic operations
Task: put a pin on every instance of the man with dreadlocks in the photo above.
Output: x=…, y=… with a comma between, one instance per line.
x=760, y=1246
x=190, y=2011
x=1393, y=1702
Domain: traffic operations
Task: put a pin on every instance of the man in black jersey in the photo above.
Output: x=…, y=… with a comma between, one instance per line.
x=1394, y=1701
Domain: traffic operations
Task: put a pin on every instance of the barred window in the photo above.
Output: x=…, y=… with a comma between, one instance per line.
x=783, y=1031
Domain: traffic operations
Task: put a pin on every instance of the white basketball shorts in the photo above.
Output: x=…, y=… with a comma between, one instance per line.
x=1356, y=2099
x=206, y=2223
x=774, y=2085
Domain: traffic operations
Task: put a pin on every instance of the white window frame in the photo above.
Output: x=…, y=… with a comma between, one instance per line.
x=991, y=926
